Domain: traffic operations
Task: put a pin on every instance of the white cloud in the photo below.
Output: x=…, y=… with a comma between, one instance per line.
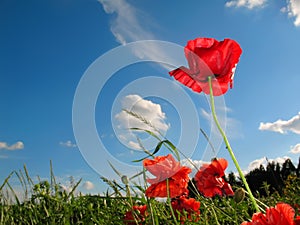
x=88, y=185
x=193, y=164
x=10, y=195
x=68, y=144
x=148, y=110
x=264, y=161
x=63, y=187
x=256, y=163
x=250, y=4
x=129, y=24
x=16, y=146
x=152, y=112
x=295, y=149
x=283, y=126
x=293, y=10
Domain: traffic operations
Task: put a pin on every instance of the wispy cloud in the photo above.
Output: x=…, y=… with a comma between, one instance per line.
x=250, y=4
x=146, y=109
x=126, y=25
x=295, y=149
x=193, y=164
x=293, y=10
x=68, y=144
x=130, y=24
x=283, y=126
x=134, y=145
x=16, y=146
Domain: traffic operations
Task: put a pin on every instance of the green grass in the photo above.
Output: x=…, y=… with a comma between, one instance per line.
x=44, y=202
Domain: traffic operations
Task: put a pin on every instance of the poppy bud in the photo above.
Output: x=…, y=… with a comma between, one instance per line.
x=124, y=179
x=239, y=195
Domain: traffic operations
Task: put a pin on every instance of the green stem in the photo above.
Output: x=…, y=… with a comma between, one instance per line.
x=228, y=145
x=170, y=203
x=215, y=215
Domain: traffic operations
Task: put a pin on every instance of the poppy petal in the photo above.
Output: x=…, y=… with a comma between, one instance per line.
x=184, y=78
x=166, y=168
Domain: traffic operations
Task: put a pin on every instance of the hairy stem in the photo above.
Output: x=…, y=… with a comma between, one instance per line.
x=212, y=102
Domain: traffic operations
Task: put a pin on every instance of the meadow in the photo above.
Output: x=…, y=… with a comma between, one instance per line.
x=46, y=202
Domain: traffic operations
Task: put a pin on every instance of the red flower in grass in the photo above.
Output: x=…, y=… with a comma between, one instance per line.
x=209, y=179
x=209, y=57
x=138, y=213
x=187, y=208
x=167, y=171
x=297, y=220
x=281, y=214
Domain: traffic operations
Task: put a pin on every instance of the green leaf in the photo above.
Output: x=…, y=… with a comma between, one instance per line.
x=147, y=131
x=173, y=148
x=114, y=169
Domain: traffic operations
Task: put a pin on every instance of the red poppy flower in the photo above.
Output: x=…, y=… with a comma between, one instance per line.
x=209, y=57
x=166, y=170
x=297, y=220
x=281, y=214
x=209, y=179
x=138, y=213
x=190, y=206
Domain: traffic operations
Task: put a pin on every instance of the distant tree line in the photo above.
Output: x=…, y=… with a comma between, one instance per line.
x=264, y=181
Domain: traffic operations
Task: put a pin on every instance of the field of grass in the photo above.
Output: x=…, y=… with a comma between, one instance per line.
x=45, y=202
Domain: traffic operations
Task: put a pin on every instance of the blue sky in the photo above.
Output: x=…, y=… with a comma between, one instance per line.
x=50, y=49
